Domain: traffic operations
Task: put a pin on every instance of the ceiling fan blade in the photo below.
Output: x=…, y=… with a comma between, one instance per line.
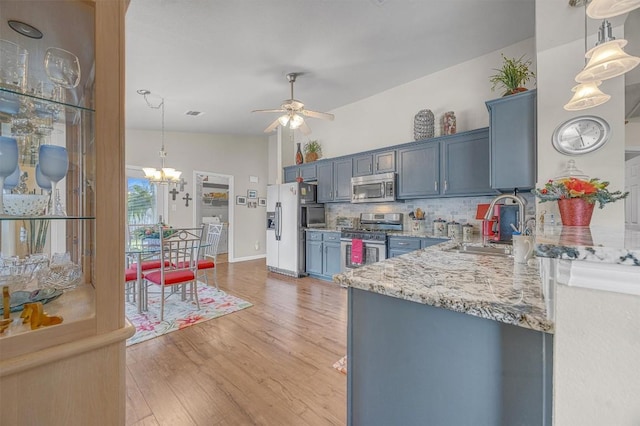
x=272, y=126
x=316, y=114
x=304, y=128
x=269, y=110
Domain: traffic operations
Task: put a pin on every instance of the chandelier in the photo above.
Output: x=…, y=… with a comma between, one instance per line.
x=165, y=175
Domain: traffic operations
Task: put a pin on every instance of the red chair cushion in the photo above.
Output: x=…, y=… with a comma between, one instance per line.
x=205, y=264
x=150, y=264
x=170, y=277
x=130, y=274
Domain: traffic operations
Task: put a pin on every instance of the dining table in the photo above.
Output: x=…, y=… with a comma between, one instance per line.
x=138, y=253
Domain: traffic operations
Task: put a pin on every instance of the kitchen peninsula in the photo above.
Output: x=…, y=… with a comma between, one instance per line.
x=446, y=338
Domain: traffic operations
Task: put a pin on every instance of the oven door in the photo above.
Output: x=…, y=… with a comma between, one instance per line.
x=374, y=251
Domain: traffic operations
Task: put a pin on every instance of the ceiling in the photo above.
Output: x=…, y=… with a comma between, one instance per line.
x=227, y=58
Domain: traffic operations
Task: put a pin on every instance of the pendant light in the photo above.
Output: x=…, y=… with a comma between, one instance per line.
x=586, y=95
x=165, y=175
x=606, y=59
x=603, y=9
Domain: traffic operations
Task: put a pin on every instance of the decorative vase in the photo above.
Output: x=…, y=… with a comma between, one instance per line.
x=299, y=155
x=449, y=123
x=311, y=156
x=514, y=91
x=575, y=211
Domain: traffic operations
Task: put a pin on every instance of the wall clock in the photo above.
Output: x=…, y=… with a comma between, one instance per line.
x=580, y=135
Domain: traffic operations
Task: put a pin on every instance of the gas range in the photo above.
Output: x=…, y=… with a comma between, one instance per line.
x=374, y=227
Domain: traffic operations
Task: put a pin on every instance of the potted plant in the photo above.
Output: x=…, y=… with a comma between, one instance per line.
x=513, y=75
x=577, y=197
x=312, y=151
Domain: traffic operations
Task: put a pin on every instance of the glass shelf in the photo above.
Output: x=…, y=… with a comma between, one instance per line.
x=11, y=217
x=7, y=96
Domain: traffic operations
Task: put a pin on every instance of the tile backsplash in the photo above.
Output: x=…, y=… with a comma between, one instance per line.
x=462, y=210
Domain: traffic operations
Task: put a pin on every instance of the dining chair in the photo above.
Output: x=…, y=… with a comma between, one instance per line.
x=179, y=252
x=210, y=252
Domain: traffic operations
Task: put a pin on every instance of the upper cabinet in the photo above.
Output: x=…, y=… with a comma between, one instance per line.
x=512, y=127
x=449, y=166
x=374, y=163
x=306, y=171
x=334, y=180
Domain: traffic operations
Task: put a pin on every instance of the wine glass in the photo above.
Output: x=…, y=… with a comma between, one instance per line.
x=62, y=67
x=54, y=163
x=8, y=162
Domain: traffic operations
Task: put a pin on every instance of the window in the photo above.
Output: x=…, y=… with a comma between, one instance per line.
x=146, y=203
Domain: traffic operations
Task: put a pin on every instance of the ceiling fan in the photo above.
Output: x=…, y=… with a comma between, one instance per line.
x=293, y=111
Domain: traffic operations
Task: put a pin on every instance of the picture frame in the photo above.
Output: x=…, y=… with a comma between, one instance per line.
x=252, y=194
x=262, y=202
x=241, y=200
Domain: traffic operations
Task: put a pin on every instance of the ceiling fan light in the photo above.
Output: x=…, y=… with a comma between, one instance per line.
x=607, y=60
x=284, y=119
x=586, y=95
x=296, y=121
x=601, y=9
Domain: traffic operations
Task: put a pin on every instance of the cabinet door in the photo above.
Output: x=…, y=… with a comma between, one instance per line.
x=290, y=174
x=331, y=260
x=512, y=124
x=342, y=180
x=465, y=164
x=419, y=171
x=308, y=172
x=314, y=257
x=363, y=165
x=384, y=162
x=428, y=242
x=325, y=182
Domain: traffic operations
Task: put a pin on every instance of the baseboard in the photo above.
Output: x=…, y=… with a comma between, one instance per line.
x=244, y=259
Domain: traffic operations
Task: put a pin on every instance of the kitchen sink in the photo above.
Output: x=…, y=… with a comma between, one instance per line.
x=503, y=251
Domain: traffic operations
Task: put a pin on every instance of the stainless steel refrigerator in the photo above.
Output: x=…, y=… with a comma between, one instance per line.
x=291, y=208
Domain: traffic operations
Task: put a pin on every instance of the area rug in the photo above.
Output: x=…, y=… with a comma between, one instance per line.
x=341, y=365
x=179, y=314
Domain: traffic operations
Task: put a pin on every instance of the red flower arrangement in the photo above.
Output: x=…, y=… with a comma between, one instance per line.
x=589, y=190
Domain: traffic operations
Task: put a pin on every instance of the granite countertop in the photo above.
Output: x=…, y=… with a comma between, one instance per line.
x=490, y=287
x=594, y=244
x=322, y=230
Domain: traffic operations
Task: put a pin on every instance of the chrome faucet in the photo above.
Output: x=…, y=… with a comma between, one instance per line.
x=521, y=209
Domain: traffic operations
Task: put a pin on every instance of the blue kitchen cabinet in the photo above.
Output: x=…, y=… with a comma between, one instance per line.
x=374, y=163
x=465, y=164
x=325, y=182
x=512, y=141
x=419, y=171
x=322, y=254
x=406, y=244
x=334, y=180
x=306, y=171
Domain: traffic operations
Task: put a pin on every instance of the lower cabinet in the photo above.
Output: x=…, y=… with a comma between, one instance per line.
x=322, y=254
x=403, y=245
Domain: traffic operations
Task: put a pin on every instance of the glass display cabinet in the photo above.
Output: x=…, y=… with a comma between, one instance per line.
x=62, y=211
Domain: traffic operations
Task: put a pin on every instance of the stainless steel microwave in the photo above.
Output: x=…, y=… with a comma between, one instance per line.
x=380, y=188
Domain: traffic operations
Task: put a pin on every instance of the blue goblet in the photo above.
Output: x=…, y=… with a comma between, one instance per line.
x=8, y=163
x=54, y=163
x=44, y=183
x=13, y=179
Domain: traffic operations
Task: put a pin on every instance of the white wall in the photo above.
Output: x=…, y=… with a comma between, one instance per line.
x=387, y=118
x=237, y=156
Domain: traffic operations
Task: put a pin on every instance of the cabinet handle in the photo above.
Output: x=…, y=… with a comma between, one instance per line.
x=403, y=244
x=435, y=186
x=445, y=186
x=369, y=167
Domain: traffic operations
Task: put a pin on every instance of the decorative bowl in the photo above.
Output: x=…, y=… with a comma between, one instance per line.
x=25, y=204
x=17, y=273
x=60, y=276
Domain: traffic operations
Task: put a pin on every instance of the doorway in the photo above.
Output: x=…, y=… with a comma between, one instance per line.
x=213, y=192
x=632, y=184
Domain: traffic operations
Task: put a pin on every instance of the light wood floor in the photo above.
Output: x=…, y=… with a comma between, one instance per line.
x=270, y=364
